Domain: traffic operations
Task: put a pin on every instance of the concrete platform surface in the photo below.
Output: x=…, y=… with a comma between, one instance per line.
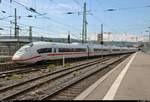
x=130, y=80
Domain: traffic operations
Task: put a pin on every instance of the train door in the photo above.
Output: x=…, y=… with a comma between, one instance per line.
x=54, y=50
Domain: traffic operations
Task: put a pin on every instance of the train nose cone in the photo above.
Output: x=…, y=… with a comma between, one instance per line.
x=16, y=58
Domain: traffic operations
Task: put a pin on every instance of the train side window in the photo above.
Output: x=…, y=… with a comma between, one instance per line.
x=61, y=50
x=65, y=50
x=72, y=50
x=116, y=49
x=44, y=50
x=105, y=50
x=79, y=50
x=98, y=50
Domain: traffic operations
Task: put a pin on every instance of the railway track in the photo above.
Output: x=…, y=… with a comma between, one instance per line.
x=56, y=89
x=10, y=66
x=21, y=70
x=52, y=82
x=28, y=68
x=72, y=91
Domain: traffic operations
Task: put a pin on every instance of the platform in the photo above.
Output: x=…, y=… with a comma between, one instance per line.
x=130, y=80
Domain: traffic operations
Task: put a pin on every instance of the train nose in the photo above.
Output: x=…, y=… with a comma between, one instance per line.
x=16, y=58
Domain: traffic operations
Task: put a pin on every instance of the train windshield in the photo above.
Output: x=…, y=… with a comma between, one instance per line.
x=30, y=44
x=24, y=49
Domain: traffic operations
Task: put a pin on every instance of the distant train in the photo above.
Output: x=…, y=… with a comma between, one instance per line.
x=39, y=51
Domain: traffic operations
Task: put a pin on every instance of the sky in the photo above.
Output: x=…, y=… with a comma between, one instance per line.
x=128, y=22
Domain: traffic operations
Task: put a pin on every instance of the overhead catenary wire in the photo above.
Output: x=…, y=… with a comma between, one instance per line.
x=97, y=19
x=62, y=24
x=58, y=22
x=127, y=8
x=49, y=18
x=24, y=25
x=29, y=8
x=42, y=29
x=78, y=3
x=18, y=16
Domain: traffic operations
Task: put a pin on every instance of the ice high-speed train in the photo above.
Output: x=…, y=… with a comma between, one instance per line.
x=39, y=51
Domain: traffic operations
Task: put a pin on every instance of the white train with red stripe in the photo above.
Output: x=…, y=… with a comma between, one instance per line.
x=39, y=51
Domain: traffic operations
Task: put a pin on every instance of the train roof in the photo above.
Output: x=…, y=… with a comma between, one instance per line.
x=64, y=45
x=75, y=45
